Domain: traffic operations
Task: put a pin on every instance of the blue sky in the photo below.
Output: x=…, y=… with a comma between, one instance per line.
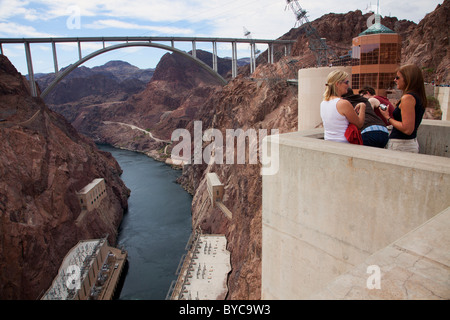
x=265, y=19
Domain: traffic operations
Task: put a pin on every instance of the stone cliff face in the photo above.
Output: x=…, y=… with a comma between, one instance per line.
x=242, y=104
x=428, y=45
x=43, y=163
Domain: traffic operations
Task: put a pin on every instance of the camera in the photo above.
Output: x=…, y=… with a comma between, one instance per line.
x=383, y=107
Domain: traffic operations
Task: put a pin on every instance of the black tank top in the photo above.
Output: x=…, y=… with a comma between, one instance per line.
x=397, y=114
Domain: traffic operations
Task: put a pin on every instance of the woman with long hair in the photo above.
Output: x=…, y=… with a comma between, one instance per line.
x=338, y=113
x=408, y=114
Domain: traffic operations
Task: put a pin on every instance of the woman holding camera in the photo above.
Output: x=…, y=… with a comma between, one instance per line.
x=408, y=114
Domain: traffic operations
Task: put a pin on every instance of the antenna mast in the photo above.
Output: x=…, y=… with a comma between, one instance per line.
x=317, y=44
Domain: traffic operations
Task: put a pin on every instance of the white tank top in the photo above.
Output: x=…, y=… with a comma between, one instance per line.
x=334, y=123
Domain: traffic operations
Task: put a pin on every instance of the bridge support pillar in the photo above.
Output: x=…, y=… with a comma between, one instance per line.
x=30, y=70
x=252, y=58
x=194, y=49
x=79, y=50
x=233, y=60
x=55, y=58
x=270, y=53
x=215, y=68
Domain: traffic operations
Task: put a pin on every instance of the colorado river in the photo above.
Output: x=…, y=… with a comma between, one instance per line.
x=156, y=227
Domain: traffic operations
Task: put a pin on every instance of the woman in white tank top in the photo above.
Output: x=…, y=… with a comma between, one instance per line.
x=338, y=113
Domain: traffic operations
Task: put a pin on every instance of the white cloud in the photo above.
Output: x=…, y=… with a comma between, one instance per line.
x=14, y=30
x=117, y=24
x=265, y=18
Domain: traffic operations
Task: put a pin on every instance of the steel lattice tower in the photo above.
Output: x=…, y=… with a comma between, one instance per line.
x=316, y=44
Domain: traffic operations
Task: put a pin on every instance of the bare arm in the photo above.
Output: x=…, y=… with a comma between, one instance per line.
x=407, y=107
x=346, y=109
x=375, y=103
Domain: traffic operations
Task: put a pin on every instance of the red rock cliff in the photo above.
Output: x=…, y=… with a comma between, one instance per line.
x=43, y=162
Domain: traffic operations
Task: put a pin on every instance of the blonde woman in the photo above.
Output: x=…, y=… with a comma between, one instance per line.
x=408, y=114
x=338, y=113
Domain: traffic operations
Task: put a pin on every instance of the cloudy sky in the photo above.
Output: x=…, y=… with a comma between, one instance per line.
x=265, y=19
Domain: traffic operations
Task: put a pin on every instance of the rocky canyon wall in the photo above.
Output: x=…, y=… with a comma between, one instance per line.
x=43, y=163
x=180, y=94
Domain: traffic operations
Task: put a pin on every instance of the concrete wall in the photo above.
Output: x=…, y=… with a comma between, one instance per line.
x=414, y=267
x=332, y=205
x=443, y=96
x=311, y=86
x=434, y=138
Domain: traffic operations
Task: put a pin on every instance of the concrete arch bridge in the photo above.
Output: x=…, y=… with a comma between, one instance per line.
x=154, y=42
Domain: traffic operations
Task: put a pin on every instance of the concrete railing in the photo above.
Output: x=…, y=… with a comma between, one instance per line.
x=332, y=205
x=434, y=138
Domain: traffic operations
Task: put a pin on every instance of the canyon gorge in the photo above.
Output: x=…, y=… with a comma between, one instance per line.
x=48, y=150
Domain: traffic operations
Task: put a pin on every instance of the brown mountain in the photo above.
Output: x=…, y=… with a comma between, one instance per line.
x=428, y=45
x=44, y=161
x=114, y=81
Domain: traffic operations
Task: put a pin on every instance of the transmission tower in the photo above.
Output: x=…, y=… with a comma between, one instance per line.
x=317, y=44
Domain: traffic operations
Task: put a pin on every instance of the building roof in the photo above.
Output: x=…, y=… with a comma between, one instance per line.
x=375, y=29
x=91, y=185
x=213, y=179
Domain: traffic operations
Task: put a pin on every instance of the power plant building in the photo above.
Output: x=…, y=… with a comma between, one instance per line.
x=91, y=195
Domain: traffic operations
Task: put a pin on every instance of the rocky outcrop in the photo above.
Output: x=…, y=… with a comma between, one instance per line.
x=44, y=161
x=428, y=45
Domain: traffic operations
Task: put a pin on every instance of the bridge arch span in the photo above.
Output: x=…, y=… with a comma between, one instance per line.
x=61, y=75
